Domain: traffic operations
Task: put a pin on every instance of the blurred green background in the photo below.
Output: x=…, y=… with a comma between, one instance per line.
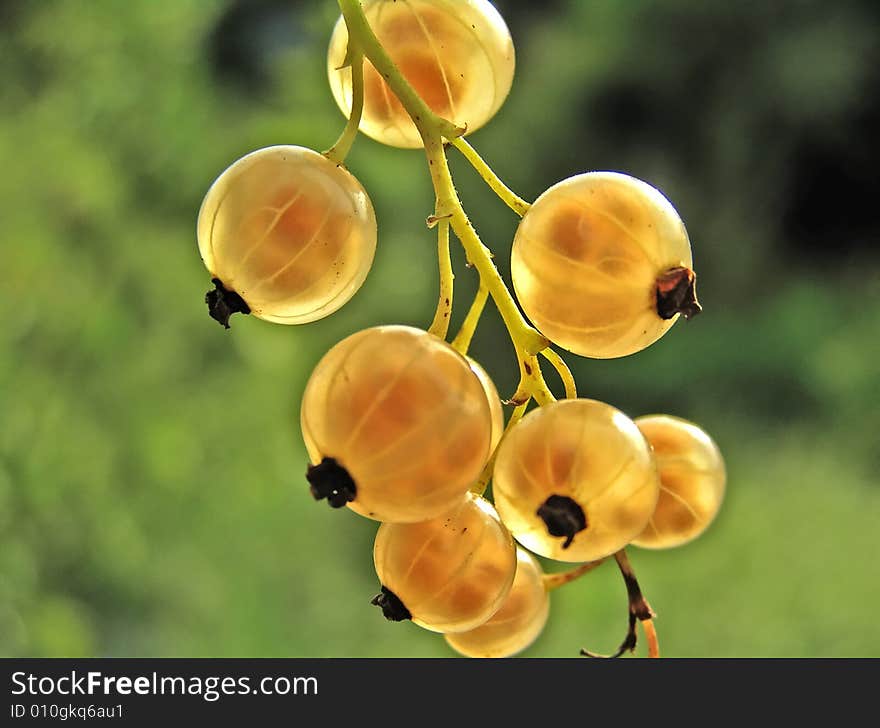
x=152, y=498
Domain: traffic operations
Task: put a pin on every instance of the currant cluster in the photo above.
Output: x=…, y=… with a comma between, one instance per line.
x=399, y=424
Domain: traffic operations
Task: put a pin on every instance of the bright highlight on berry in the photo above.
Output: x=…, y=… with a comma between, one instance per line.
x=286, y=235
x=396, y=424
x=692, y=481
x=457, y=55
x=517, y=623
x=575, y=480
x=601, y=264
x=448, y=574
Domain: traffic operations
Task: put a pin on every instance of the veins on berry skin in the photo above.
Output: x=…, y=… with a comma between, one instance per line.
x=330, y=480
x=222, y=303
x=393, y=609
x=676, y=293
x=563, y=517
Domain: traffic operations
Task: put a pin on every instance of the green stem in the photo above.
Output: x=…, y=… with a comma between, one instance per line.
x=462, y=341
x=504, y=193
x=440, y=325
x=433, y=129
x=564, y=372
x=339, y=151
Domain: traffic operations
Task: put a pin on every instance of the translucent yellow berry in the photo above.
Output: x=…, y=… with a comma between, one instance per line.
x=601, y=264
x=517, y=623
x=396, y=424
x=447, y=574
x=456, y=54
x=575, y=480
x=692, y=481
x=286, y=235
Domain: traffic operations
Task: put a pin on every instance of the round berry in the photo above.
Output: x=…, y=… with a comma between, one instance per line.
x=286, y=235
x=447, y=574
x=692, y=481
x=456, y=54
x=396, y=424
x=517, y=623
x=575, y=480
x=601, y=264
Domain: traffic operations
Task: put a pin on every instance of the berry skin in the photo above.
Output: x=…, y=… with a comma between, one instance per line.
x=601, y=264
x=575, y=480
x=495, y=409
x=447, y=574
x=457, y=55
x=692, y=481
x=396, y=422
x=287, y=233
x=517, y=623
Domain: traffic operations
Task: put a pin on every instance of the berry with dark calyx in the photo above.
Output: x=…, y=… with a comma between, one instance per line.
x=450, y=573
x=287, y=235
x=602, y=265
x=575, y=480
x=406, y=416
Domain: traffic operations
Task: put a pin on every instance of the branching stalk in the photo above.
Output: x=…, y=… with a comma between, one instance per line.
x=638, y=610
x=504, y=193
x=433, y=129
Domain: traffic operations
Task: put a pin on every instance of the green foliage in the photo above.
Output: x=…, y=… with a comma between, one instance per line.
x=152, y=498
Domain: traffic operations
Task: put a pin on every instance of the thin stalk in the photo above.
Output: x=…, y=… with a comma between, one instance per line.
x=564, y=372
x=504, y=193
x=339, y=151
x=462, y=341
x=440, y=325
x=554, y=581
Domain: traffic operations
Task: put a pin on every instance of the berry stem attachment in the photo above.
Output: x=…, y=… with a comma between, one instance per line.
x=638, y=611
x=440, y=325
x=339, y=151
x=564, y=372
x=554, y=581
x=462, y=341
x=504, y=193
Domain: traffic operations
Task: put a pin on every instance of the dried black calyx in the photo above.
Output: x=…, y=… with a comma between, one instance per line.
x=222, y=303
x=676, y=293
x=563, y=517
x=330, y=480
x=393, y=609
